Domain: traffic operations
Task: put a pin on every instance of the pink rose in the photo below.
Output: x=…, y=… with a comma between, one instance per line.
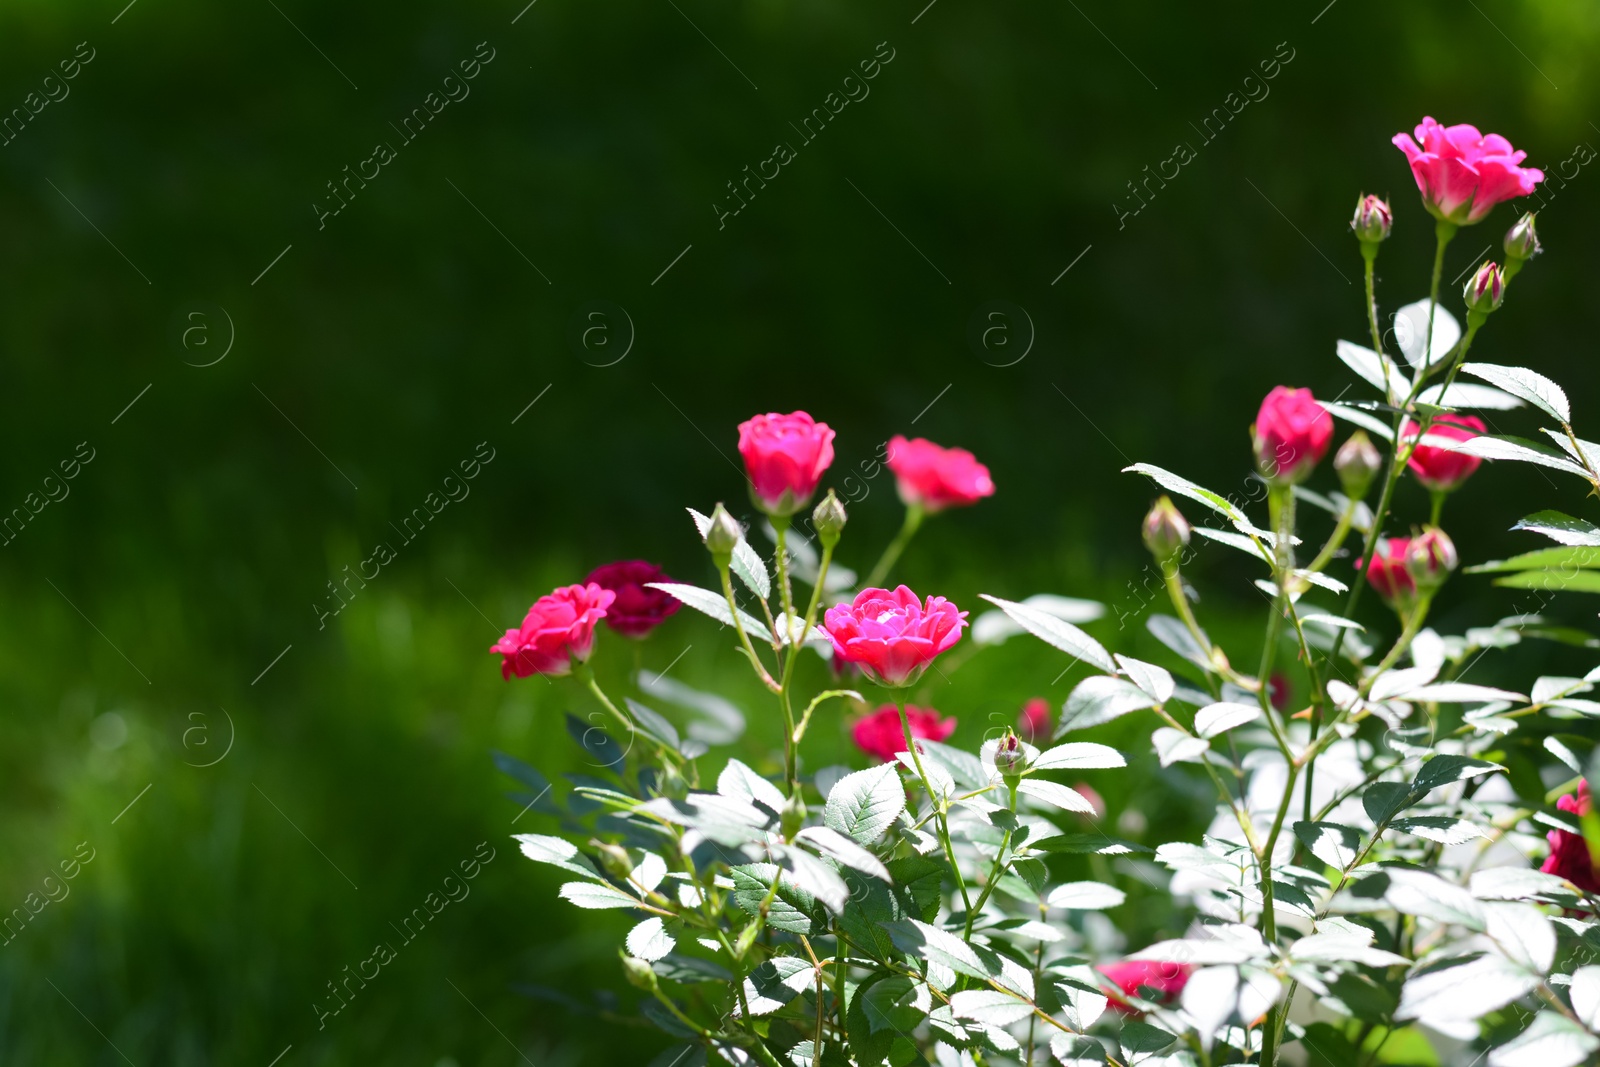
x=879, y=735
x=1569, y=855
x=1462, y=173
x=1034, y=722
x=558, y=632
x=637, y=609
x=1159, y=981
x=935, y=478
x=1292, y=433
x=893, y=637
x=1388, y=573
x=1439, y=468
x=784, y=457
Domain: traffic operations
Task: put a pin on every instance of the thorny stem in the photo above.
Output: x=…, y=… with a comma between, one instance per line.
x=933, y=798
x=891, y=554
x=738, y=626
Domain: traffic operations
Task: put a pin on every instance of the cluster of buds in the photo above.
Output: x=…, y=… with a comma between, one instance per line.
x=1404, y=570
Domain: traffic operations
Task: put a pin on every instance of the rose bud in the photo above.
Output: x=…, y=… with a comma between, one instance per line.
x=1373, y=220
x=1462, y=173
x=640, y=974
x=614, y=860
x=638, y=609
x=1522, y=240
x=1009, y=757
x=880, y=734
x=1158, y=981
x=1357, y=462
x=1430, y=558
x=557, y=632
x=1291, y=433
x=829, y=519
x=1569, y=854
x=722, y=536
x=1166, y=531
x=784, y=457
x=1486, y=289
x=1441, y=469
x=892, y=636
x=1388, y=574
x=933, y=478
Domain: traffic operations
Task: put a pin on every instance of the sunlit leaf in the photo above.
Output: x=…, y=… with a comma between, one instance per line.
x=1531, y=386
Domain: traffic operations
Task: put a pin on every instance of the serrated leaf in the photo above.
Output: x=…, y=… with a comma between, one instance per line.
x=1175, y=746
x=1576, y=557
x=713, y=604
x=1099, y=699
x=995, y=627
x=1411, y=323
x=1055, y=795
x=1141, y=1037
x=1463, y=993
x=1359, y=418
x=864, y=804
x=895, y=1003
x=557, y=852
x=1585, y=993
x=1085, y=896
x=654, y=724
x=1523, y=932
x=989, y=1007
x=1383, y=800
x=1219, y=718
x=1370, y=366
x=1466, y=395
x=936, y=946
x=649, y=940
x=716, y=721
x=1078, y=755
x=1156, y=681
x=776, y=982
x=793, y=910
x=747, y=564
x=1517, y=449
x=1055, y=632
x=816, y=877
x=1072, y=1050
x=1441, y=829
x=1561, y=527
x=1175, y=483
x=841, y=849
x=1427, y=895
x=741, y=783
x=1551, y=1040
x=1528, y=385
x=1442, y=770
x=594, y=896
x=1332, y=843
x=1552, y=581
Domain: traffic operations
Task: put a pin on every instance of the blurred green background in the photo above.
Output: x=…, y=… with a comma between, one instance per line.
x=143, y=610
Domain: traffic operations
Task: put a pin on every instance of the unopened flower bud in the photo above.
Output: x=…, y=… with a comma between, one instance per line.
x=1358, y=462
x=1009, y=756
x=793, y=817
x=1486, y=289
x=1522, y=240
x=614, y=859
x=1166, y=531
x=829, y=519
x=640, y=974
x=1431, y=558
x=722, y=536
x=1373, y=219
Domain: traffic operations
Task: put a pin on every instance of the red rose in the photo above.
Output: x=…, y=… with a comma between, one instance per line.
x=893, y=637
x=1569, y=854
x=1388, y=573
x=558, y=631
x=935, y=478
x=784, y=456
x=1437, y=468
x=1462, y=173
x=879, y=735
x=1035, y=718
x=637, y=609
x=1159, y=981
x=1292, y=433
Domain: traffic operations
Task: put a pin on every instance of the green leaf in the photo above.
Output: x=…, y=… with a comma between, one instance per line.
x=1442, y=770
x=1214, y=719
x=595, y=741
x=592, y=896
x=1072, y=1050
x=1085, y=896
x=793, y=910
x=1100, y=699
x=528, y=776
x=894, y=1003
x=747, y=563
x=1553, y=581
x=920, y=878
x=776, y=982
x=557, y=852
x=839, y=848
x=1087, y=844
x=1441, y=829
x=1384, y=800
x=1333, y=844
x=1574, y=556
x=1495, y=446
x=1525, y=384
x=713, y=604
x=964, y=767
x=989, y=1007
x=871, y=1046
x=1561, y=527
x=742, y=783
x=1056, y=795
x=1078, y=755
x=1136, y=1036
x=930, y=943
x=654, y=724
x=865, y=804
x=1552, y=1040
x=1057, y=632
x=650, y=940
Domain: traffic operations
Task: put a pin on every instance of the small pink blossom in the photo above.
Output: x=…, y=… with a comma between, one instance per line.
x=1388, y=573
x=784, y=457
x=1462, y=173
x=557, y=632
x=892, y=636
x=1292, y=433
x=880, y=735
x=934, y=478
x=1441, y=469
x=1034, y=721
x=1142, y=978
x=1569, y=854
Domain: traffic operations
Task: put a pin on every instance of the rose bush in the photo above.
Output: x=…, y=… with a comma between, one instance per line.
x=1375, y=864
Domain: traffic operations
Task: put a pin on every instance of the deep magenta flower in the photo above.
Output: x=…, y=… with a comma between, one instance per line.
x=892, y=636
x=1388, y=573
x=1440, y=469
x=879, y=735
x=1292, y=433
x=1462, y=173
x=784, y=457
x=934, y=478
x=1159, y=981
x=557, y=632
x=638, y=609
x=1569, y=854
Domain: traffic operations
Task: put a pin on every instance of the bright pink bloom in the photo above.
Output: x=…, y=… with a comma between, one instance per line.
x=1292, y=433
x=1388, y=573
x=1035, y=718
x=637, y=609
x=935, y=478
x=784, y=456
x=892, y=636
x=1437, y=468
x=1462, y=173
x=1158, y=981
x=879, y=734
x=1569, y=854
x=558, y=632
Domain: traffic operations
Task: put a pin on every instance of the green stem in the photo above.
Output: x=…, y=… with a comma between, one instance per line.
x=585, y=674
x=999, y=865
x=1442, y=233
x=941, y=823
x=1369, y=253
x=1271, y=1029
x=738, y=626
x=1412, y=627
x=1437, y=508
x=1341, y=530
x=891, y=554
x=781, y=559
